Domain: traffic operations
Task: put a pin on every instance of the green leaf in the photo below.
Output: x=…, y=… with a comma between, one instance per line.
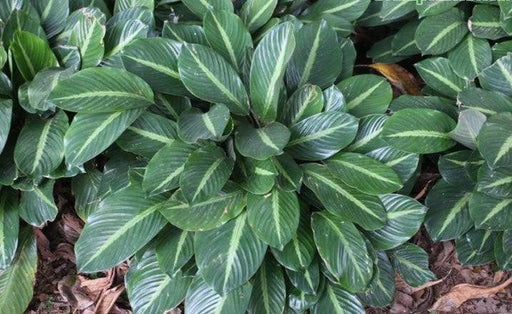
x=22, y=20
x=53, y=15
x=255, y=13
x=497, y=77
x=87, y=34
x=467, y=129
x=98, y=90
x=209, y=77
x=269, y=289
x=40, y=88
x=227, y=34
x=477, y=51
x=501, y=49
x=419, y=131
x=382, y=51
x=448, y=214
x=494, y=183
x=9, y=226
x=38, y=206
x=343, y=250
x=381, y=289
x=258, y=176
x=85, y=188
x=119, y=37
x=170, y=106
x=502, y=252
x=100, y=130
x=317, y=56
x=368, y=135
x=202, y=7
x=40, y=146
x=268, y=68
x=404, y=216
x=5, y=121
x=392, y=10
x=261, y=143
x=205, y=215
x=184, y=33
x=274, y=217
x=322, y=135
x=149, y=289
x=460, y=168
x=348, y=9
x=490, y=213
x=337, y=300
x=411, y=263
x=487, y=102
x=228, y=256
x=164, y=169
x=205, y=173
x=289, y=173
x=122, y=5
x=404, y=164
x=201, y=298
x=194, y=125
x=147, y=135
x=334, y=99
x=174, y=249
x=404, y=43
x=434, y=7
x=427, y=102
x=495, y=141
x=343, y=200
x=440, y=33
x=306, y=101
x=349, y=57
x=476, y=247
x=364, y=173
x=31, y=54
x=485, y=22
x=440, y=76
x=300, y=251
x=123, y=223
x=16, y=283
x=156, y=61
x=366, y=94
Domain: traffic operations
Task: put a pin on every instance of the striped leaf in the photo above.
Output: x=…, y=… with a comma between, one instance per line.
x=368, y=135
x=16, y=283
x=174, y=249
x=201, y=298
x=440, y=76
x=205, y=215
x=392, y=10
x=85, y=188
x=98, y=90
x=274, y=217
x=448, y=214
x=460, y=168
x=5, y=121
x=156, y=61
x=502, y=252
x=142, y=13
x=485, y=22
x=404, y=164
x=342, y=200
x=38, y=206
x=304, y=102
x=261, y=143
x=122, y=5
x=334, y=99
x=194, y=125
x=382, y=51
x=316, y=58
x=101, y=130
x=301, y=301
x=404, y=216
x=201, y=7
x=434, y=7
x=258, y=176
x=40, y=88
x=495, y=141
x=170, y=106
x=366, y=94
x=120, y=36
x=476, y=247
x=147, y=135
x=322, y=135
x=381, y=289
x=9, y=227
x=53, y=15
x=348, y=9
x=337, y=300
x=487, y=102
x=467, y=129
x=289, y=173
x=40, y=146
x=149, y=289
x=227, y=34
x=306, y=280
x=228, y=256
x=124, y=223
x=490, y=213
x=404, y=42
x=31, y=54
x=498, y=77
x=419, y=131
x=205, y=173
x=494, y=183
x=364, y=173
x=184, y=33
x=438, y=34
x=268, y=68
x=411, y=263
x=477, y=51
x=209, y=77
x=427, y=102
x=255, y=13
x=269, y=289
x=164, y=169
x=343, y=250
x=87, y=34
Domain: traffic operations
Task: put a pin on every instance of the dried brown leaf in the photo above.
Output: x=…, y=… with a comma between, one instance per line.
x=399, y=77
x=107, y=300
x=463, y=292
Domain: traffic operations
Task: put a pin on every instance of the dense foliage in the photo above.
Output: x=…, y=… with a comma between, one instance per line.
x=228, y=149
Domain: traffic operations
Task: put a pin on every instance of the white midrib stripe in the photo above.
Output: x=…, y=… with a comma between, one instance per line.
x=504, y=149
x=499, y=207
x=341, y=7
x=443, y=80
x=359, y=99
x=275, y=215
x=401, y=4
x=234, y=242
x=157, y=67
x=150, y=135
x=260, y=12
x=179, y=247
x=40, y=145
x=315, y=136
x=225, y=40
x=443, y=33
x=472, y=57
x=168, y=179
x=311, y=58
x=209, y=172
x=458, y=207
x=364, y=170
x=266, y=140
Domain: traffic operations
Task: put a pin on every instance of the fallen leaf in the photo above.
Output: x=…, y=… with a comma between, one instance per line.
x=399, y=77
x=107, y=300
x=463, y=292
x=70, y=290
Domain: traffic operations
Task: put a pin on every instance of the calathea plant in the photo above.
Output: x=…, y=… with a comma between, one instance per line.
x=226, y=149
